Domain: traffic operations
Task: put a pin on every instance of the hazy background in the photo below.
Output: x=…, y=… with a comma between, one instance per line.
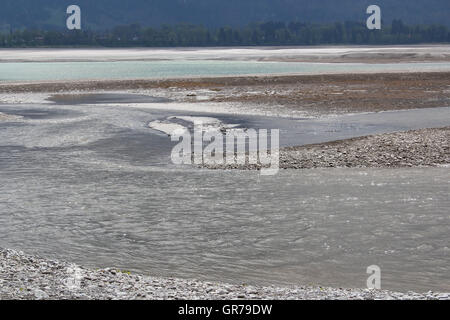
x=103, y=14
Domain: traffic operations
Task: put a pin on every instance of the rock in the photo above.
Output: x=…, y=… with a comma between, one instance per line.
x=18, y=269
x=39, y=294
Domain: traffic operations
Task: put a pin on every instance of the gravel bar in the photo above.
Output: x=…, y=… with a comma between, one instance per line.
x=415, y=148
x=24, y=276
x=425, y=147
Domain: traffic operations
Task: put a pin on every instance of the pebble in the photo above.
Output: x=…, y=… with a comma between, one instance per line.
x=416, y=148
x=26, y=277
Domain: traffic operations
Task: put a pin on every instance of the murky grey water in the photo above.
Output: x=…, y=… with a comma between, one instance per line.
x=94, y=185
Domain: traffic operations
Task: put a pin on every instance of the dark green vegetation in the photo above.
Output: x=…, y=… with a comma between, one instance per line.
x=106, y=14
x=269, y=33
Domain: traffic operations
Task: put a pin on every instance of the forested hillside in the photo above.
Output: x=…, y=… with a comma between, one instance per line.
x=263, y=34
x=105, y=14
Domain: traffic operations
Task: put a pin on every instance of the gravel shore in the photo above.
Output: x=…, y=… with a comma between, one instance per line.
x=27, y=277
x=425, y=147
x=416, y=148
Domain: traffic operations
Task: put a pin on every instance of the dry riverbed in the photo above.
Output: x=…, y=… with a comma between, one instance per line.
x=27, y=277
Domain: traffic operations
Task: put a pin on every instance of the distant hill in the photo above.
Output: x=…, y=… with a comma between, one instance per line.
x=104, y=14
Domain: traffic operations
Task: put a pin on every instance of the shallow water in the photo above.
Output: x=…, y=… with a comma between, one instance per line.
x=35, y=71
x=94, y=185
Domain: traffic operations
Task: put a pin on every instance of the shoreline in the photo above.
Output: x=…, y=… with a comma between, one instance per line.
x=28, y=277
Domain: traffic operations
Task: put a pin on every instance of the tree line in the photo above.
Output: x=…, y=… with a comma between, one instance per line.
x=256, y=34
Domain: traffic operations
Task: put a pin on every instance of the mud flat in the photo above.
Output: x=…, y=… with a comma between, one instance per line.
x=320, y=95
x=27, y=277
x=314, y=95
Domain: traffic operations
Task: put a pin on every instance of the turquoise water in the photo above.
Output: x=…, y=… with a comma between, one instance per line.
x=35, y=71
